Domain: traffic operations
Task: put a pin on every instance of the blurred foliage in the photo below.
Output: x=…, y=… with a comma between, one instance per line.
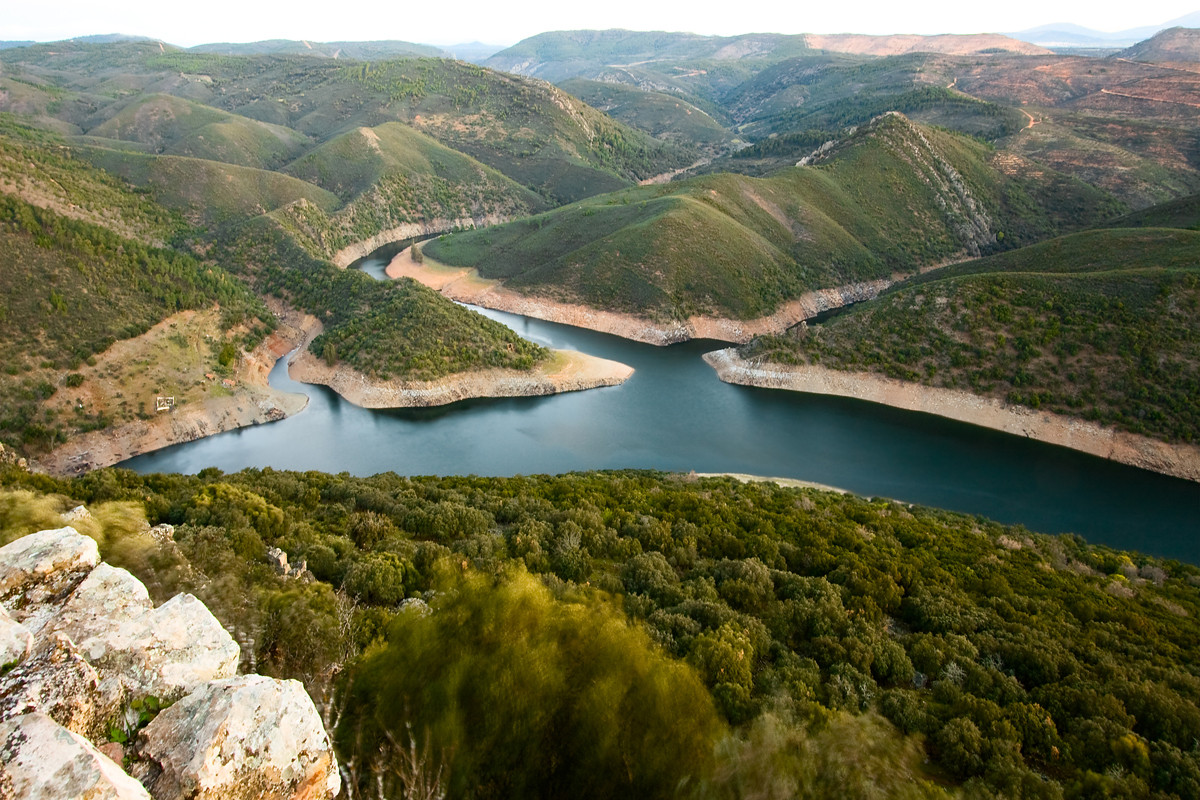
x=498, y=671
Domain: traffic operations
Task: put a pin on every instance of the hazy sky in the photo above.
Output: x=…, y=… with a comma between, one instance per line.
x=494, y=21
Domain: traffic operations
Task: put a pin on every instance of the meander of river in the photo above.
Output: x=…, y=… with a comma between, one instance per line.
x=674, y=414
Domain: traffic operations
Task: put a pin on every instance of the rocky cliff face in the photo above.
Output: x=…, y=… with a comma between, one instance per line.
x=104, y=696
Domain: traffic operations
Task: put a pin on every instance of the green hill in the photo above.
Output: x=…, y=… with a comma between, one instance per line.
x=386, y=329
x=1103, y=325
x=1181, y=213
x=71, y=289
x=174, y=126
x=534, y=133
x=391, y=175
x=41, y=169
x=663, y=116
x=359, y=51
x=893, y=197
x=559, y=55
x=205, y=191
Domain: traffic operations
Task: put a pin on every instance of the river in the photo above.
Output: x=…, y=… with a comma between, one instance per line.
x=674, y=414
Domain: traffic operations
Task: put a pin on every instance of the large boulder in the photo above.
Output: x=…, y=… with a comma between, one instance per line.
x=83, y=643
x=58, y=682
x=41, y=760
x=36, y=570
x=238, y=739
x=165, y=652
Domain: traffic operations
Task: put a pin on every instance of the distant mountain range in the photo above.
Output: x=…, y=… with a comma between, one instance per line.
x=1067, y=34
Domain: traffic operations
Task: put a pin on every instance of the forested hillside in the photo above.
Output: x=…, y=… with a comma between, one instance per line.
x=736, y=246
x=665, y=635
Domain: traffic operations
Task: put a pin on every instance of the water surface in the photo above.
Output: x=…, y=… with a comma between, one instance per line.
x=674, y=414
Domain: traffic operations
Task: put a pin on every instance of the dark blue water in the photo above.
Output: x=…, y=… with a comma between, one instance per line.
x=674, y=414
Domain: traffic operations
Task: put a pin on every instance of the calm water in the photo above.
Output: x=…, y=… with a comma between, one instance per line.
x=674, y=414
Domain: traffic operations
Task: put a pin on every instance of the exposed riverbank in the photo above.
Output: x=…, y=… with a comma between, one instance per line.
x=412, y=230
x=465, y=285
x=566, y=371
x=1178, y=460
x=248, y=401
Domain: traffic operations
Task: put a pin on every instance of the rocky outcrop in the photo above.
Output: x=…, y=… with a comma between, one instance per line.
x=216, y=745
x=84, y=645
x=1179, y=460
x=41, y=760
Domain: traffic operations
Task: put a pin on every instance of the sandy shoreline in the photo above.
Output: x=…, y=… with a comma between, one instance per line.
x=465, y=285
x=252, y=402
x=787, y=483
x=1178, y=460
x=567, y=371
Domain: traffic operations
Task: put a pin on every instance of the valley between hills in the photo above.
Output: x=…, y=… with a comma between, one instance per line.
x=973, y=226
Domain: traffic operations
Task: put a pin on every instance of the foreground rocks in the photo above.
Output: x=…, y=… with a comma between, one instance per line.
x=84, y=651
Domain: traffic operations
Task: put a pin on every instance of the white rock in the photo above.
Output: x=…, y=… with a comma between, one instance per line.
x=15, y=639
x=107, y=599
x=59, y=683
x=241, y=738
x=41, y=760
x=166, y=652
x=76, y=513
x=38, y=569
x=46, y=556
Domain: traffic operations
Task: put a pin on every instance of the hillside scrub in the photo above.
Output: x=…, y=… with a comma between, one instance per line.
x=71, y=289
x=823, y=626
x=1101, y=325
x=385, y=329
x=891, y=198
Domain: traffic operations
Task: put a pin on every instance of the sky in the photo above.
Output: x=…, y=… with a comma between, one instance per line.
x=496, y=22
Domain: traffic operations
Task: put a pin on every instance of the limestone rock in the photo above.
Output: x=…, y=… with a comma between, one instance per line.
x=15, y=639
x=76, y=513
x=36, y=569
x=108, y=598
x=165, y=652
x=241, y=738
x=39, y=759
x=163, y=533
x=59, y=683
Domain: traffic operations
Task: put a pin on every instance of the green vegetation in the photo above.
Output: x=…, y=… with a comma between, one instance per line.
x=39, y=165
x=663, y=116
x=70, y=289
x=208, y=192
x=1181, y=213
x=501, y=669
x=391, y=175
x=890, y=198
x=174, y=126
x=1103, y=325
x=842, y=641
x=386, y=329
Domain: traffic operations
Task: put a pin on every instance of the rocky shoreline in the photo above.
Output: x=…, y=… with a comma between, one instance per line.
x=412, y=230
x=1178, y=460
x=253, y=402
x=465, y=285
x=567, y=371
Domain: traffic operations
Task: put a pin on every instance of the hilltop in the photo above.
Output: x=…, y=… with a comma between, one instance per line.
x=1176, y=44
